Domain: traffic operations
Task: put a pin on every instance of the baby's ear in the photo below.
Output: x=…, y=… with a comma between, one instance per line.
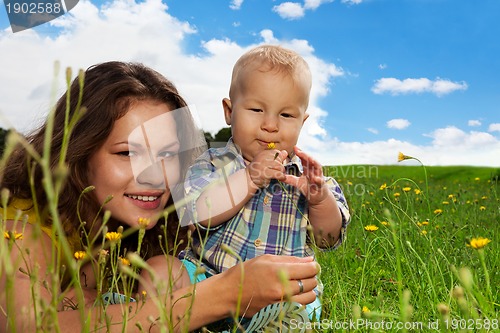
x=306, y=115
x=228, y=110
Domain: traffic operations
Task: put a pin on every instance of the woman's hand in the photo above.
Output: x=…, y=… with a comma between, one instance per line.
x=269, y=279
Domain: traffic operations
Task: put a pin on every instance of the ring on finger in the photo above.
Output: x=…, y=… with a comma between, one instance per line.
x=301, y=286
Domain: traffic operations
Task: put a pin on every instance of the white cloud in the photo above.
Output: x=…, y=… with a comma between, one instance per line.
x=495, y=127
x=372, y=130
x=289, y=10
x=395, y=86
x=382, y=66
x=474, y=123
x=313, y=4
x=398, y=123
x=235, y=4
x=352, y=2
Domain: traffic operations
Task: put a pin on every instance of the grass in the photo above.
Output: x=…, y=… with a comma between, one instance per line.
x=416, y=267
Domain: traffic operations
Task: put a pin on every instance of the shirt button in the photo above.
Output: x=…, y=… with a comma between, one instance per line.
x=266, y=200
x=257, y=242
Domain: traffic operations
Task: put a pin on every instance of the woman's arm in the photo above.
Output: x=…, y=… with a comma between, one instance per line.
x=214, y=299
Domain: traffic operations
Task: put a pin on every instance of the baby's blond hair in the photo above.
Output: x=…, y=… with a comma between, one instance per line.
x=270, y=58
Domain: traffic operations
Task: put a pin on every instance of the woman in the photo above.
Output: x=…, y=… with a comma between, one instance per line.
x=133, y=168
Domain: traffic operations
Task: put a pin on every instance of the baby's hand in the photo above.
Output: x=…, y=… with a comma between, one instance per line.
x=311, y=182
x=267, y=165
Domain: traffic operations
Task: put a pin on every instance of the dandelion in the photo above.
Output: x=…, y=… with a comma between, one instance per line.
x=371, y=228
x=477, y=179
x=424, y=232
x=143, y=222
x=402, y=157
x=80, y=255
x=113, y=236
x=450, y=196
x=406, y=189
x=365, y=309
x=419, y=224
x=482, y=208
x=484, y=197
x=271, y=145
x=349, y=183
x=438, y=211
x=417, y=191
x=383, y=186
x=446, y=203
x=425, y=223
x=124, y=261
x=478, y=243
x=397, y=194
x=385, y=223
x=12, y=235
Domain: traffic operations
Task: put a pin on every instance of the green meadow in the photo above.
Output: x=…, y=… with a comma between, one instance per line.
x=414, y=259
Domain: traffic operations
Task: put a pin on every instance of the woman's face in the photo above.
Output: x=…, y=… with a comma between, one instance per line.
x=138, y=163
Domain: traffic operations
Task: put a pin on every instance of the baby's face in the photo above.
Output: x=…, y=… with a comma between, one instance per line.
x=267, y=107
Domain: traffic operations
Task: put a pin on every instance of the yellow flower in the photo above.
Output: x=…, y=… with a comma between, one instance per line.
x=482, y=208
x=349, y=183
x=383, y=186
x=13, y=234
x=446, y=203
x=365, y=309
x=425, y=223
x=484, y=197
x=450, y=196
x=417, y=191
x=143, y=222
x=438, y=211
x=478, y=243
x=371, y=228
x=477, y=179
x=406, y=189
x=80, y=255
x=113, y=236
x=124, y=261
x=384, y=223
x=419, y=224
x=397, y=194
x=424, y=232
x=402, y=157
x=271, y=145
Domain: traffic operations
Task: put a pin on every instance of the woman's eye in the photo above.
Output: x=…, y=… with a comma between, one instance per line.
x=168, y=154
x=127, y=153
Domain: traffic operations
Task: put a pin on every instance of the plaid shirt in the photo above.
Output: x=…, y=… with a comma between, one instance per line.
x=271, y=222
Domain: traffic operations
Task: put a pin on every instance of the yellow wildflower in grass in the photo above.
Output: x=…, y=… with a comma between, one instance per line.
x=271, y=145
x=384, y=223
x=113, y=236
x=143, y=222
x=406, y=189
x=397, y=194
x=438, y=211
x=484, y=197
x=423, y=232
x=477, y=179
x=349, y=183
x=124, y=261
x=371, y=228
x=80, y=255
x=12, y=235
x=417, y=191
x=383, y=186
x=425, y=223
x=468, y=202
x=365, y=309
x=478, y=243
x=446, y=203
x=482, y=208
x=450, y=196
x=419, y=224
x=402, y=157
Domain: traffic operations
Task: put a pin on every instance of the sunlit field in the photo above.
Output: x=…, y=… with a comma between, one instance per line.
x=421, y=254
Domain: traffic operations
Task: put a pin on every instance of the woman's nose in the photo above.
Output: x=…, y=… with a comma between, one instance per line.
x=154, y=175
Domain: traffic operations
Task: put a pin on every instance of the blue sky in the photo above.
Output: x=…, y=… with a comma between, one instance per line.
x=418, y=76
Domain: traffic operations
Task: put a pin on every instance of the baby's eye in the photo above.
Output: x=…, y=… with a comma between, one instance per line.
x=286, y=115
x=255, y=110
